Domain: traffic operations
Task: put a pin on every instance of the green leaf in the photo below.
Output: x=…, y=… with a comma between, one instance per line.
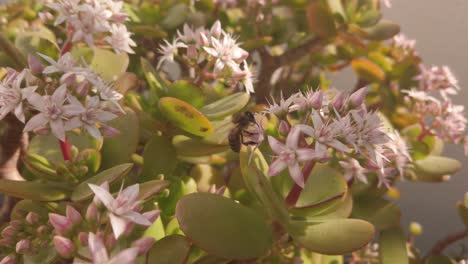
x=226, y=106
x=440, y=259
x=205, y=176
x=172, y=228
x=152, y=77
x=83, y=192
x=382, y=31
x=33, y=190
x=40, y=166
x=196, y=147
x=38, y=39
x=213, y=223
x=170, y=250
x=168, y=203
x=108, y=64
x=187, y=92
x=336, y=212
x=334, y=236
x=368, y=70
x=156, y=230
x=159, y=157
x=336, y=7
x=381, y=213
x=320, y=20
x=175, y=16
x=151, y=188
x=392, y=247
x=185, y=116
x=434, y=168
x=117, y=150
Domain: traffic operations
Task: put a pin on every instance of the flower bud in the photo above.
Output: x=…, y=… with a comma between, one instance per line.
x=9, y=232
x=284, y=128
x=23, y=246
x=152, y=215
x=338, y=101
x=16, y=223
x=64, y=246
x=110, y=240
x=32, y=218
x=110, y=131
x=143, y=244
x=357, y=98
x=83, y=238
x=82, y=89
x=415, y=228
x=35, y=64
x=10, y=259
x=60, y=223
x=7, y=242
x=216, y=30
x=203, y=39
x=92, y=213
x=41, y=230
x=73, y=215
x=316, y=100
x=192, y=51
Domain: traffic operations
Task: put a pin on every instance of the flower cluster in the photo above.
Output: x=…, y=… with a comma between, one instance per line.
x=60, y=97
x=400, y=41
x=335, y=126
x=88, y=19
x=120, y=213
x=211, y=54
x=432, y=105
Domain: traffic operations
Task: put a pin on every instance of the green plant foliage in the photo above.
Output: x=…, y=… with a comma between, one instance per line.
x=172, y=249
x=392, y=246
x=109, y=64
x=383, y=30
x=187, y=92
x=195, y=147
x=34, y=190
x=226, y=106
x=220, y=219
x=381, y=213
x=434, y=168
x=159, y=157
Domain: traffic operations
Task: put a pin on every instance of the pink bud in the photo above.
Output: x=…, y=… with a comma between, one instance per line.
x=60, y=223
x=152, y=215
x=203, y=39
x=6, y=242
x=9, y=231
x=192, y=51
x=16, y=223
x=216, y=30
x=338, y=101
x=10, y=259
x=82, y=89
x=316, y=100
x=129, y=228
x=92, y=213
x=110, y=240
x=42, y=230
x=83, y=238
x=110, y=131
x=143, y=244
x=73, y=215
x=35, y=64
x=284, y=128
x=64, y=246
x=23, y=246
x=357, y=98
x=32, y=218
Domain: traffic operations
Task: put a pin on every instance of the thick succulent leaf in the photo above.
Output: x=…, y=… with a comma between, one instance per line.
x=151, y=188
x=172, y=228
x=381, y=213
x=392, y=247
x=334, y=236
x=185, y=116
x=336, y=7
x=168, y=203
x=176, y=16
x=210, y=259
x=48, y=145
x=335, y=212
x=383, y=30
x=108, y=64
x=325, y=259
x=83, y=192
x=254, y=173
x=368, y=70
x=463, y=213
x=208, y=219
x=152, y=77
x=170, y=250
x=420, y=149
x=39, y=166
x=159, y=157
x=117, y=150
x=434, y=168
x=226, y=106
x=187, y=92
x=196, y=147
x=156, y=230
x=320, y=19
x=37, y=39
x=33, y=190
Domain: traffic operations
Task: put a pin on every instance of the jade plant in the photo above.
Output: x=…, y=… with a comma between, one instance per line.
x=211, y=132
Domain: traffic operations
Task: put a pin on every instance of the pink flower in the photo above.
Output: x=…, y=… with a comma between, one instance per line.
x=289, y=155
x=60, y=223
x=310, y=100
x=120, y=39
x=65, y=63
x=226, y=52
x=121, y=209
x=354, y=170
x=66, y=10
x=283, y=107
x=100, y=256
x=168, y=50
x=12, y=95
x=400, y=41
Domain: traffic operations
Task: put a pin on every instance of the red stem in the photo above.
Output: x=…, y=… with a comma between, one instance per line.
x=65, y=147
x=296, y=190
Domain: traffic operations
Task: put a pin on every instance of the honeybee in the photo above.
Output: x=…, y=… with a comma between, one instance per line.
x=247, y=131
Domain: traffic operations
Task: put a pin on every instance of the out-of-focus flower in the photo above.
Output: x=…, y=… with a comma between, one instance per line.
x=290, y=155
x=23, y=246
x=282, y=108
x=64, y=64
x=61, y=224
x=121, y=209
x=168, y=50
x=120, y=39
x=402, y=42
x=12, y=95
x=10, y=259
x=438, y=78
x=354, y=170
x=143, y=244
x=66, y=9
x=100, y=256
x=387, y=3
x=64, y=246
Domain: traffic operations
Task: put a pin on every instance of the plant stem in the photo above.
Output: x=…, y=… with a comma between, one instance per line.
x=442, y=244
x=65, y=147
x=12, y=52
x=296, y=190
x=78, y=255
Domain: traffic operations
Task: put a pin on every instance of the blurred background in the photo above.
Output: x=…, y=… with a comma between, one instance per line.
x=440, y=29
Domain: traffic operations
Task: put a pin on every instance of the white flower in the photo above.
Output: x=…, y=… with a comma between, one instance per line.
x=122, y=208
x=66, y=10
x=354, y=170
x=283, y=107
x=12, y=95
x=402, y=42
x=98, y=12
x=88, y=116
x=52, y=112
x=226, y=52
x=65, y=63
x=168, y=50
x=245, y=76
x=120, y=39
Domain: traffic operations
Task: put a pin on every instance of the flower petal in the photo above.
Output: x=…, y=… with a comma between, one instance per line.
x=118, y=224
x=35, y=122
x=276, y=167
x=293, y=138
x=275, y=145
x=97, y=249
x=296, y=174
x=137, y=218
x=58, y=128
x=126, y=256
x=102, y=194
x=130, y=193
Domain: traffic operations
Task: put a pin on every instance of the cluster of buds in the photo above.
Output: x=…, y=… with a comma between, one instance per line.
x=432, y=106
x=330, y=126
x=25, y=236
x=211, y=55
x=92, y=230
x=87, y=19
x=60, y=97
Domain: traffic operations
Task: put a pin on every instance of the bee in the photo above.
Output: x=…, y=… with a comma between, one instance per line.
x=247, y=131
